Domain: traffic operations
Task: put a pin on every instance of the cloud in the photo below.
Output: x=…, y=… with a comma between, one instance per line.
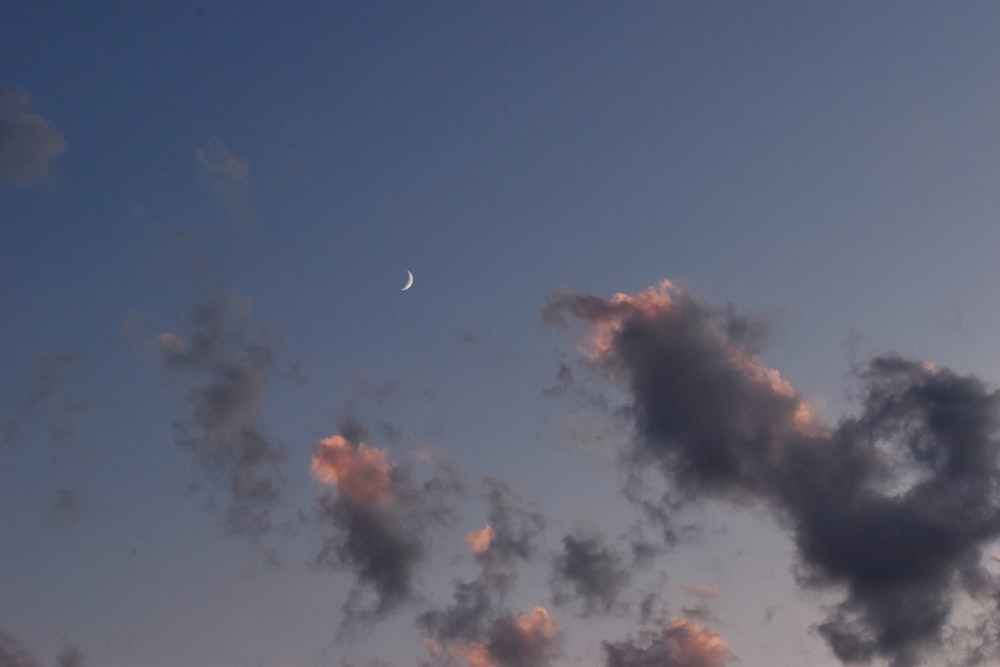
x=703, y=592
x=679, y=643
x=72, y=657
x=529, y=640
x=28, y=142
x=65, y=505
x=49, y=373
x=480, y=540
x=477, y=607
x=515, y=530
x=378, y=519
x=590, y=571
x=228, y=177
x=894, y=506
x=46, y=386
x=227, y=359
x=13, y=654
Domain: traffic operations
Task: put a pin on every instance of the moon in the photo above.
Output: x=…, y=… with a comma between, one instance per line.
x=409, y=282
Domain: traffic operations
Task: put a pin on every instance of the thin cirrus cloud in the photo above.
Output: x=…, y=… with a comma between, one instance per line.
x=228, y=177
x=28, y=141
x=895, y=506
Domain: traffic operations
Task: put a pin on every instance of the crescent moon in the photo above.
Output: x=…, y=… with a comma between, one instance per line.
x=409, y=282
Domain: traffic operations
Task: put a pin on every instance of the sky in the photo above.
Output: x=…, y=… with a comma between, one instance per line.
x=698, y=367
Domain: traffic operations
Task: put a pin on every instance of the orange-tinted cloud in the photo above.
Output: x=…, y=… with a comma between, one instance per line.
x=480, y=540
x=678, y=643
x=894, y=506
x=362, y=474
x=526, y=641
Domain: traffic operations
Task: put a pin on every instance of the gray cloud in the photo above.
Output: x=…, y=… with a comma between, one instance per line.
x=46, y=386
x=72, y=657
x=10, y=431
x=894, y=506
x=516, y=528
x=65, y=505
x=228, y=177
x=49, y=374
x=589, y=571
x=28, y=142
x=226, y=360
x=529, y=640
x=377, y=519
x=476, y=621
x=13, y=654
x=679, y=643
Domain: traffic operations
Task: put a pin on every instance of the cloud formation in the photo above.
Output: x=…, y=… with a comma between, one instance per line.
x=28, y=142
x=529, y=640
x=679, y=643
x=588, y=570
x=378, y=519
x=514, y=531
x=894, y=506
x=227, y=359
x=476, y=626
x=228, y=177
x=13, y=654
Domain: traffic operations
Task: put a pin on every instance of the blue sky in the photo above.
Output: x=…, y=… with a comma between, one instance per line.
x=829, y=169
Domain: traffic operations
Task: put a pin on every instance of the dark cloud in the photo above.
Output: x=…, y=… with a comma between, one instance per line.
x=228, y=177
x=72, y=657
x=529, y=640
x=227, y=359
x=13, y=654
x=894, y=506
x=45, y=390
x=65, y=505
x=28, y=142
x=378, y=519
x=589, y=571
x=515, y=529
x=476, y=625
x=471, y=608
x=679, y=643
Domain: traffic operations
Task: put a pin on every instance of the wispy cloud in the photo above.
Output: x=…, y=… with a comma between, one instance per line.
x=13, y=654
x=228, y=177
x=226, y=359
x=28, y=142
x=65, y=505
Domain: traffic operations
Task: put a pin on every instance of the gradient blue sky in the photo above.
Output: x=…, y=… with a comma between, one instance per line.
x=833, y=166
